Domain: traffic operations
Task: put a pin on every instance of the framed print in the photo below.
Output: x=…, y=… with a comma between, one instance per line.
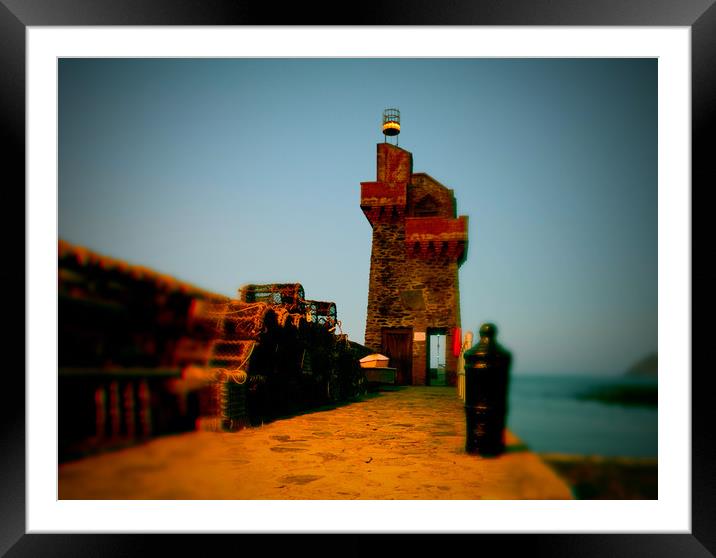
x=32, y=31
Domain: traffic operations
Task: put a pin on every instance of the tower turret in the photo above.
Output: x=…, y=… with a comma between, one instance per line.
x=419, y=243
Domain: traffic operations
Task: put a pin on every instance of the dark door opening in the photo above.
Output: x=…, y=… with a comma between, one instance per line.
x=398, y=347
x=436, y=356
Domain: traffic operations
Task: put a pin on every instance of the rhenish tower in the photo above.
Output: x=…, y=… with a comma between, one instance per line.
x=419, y=243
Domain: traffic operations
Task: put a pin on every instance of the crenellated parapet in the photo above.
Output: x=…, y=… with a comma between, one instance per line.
x=436, y=237
x=383, y=202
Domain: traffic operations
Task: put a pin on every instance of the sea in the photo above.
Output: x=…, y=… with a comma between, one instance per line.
x=548, y=415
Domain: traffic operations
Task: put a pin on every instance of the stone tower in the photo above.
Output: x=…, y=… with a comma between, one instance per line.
x=418, y=245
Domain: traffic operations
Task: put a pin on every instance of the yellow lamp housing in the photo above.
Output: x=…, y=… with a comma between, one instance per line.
x=391, y=122
x=391, y=128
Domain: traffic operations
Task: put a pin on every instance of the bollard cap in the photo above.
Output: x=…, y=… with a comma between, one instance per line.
x=486, y=347
x=488, y=330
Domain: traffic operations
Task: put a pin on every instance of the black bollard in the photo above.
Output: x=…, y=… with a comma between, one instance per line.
x=487, y=368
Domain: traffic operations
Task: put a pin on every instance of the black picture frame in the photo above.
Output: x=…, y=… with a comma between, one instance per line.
x=17, y=15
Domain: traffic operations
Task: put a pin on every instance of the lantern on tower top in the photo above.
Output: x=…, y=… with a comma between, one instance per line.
x=391, y=123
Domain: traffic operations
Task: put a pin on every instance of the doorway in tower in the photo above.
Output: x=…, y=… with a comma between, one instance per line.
x=436, y=356
x=398, y=347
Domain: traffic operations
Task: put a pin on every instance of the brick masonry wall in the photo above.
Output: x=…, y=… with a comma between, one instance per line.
x=394, y=164
x=422, y=185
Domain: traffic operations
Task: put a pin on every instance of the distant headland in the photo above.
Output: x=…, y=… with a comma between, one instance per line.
x=638, y=394
x=646, y=367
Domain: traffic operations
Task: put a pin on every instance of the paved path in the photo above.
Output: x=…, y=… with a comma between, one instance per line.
x=404, y=444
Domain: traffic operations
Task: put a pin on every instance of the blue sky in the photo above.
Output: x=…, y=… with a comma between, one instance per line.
x=222, y=172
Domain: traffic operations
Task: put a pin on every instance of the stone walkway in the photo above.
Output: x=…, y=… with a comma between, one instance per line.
x=404, y=444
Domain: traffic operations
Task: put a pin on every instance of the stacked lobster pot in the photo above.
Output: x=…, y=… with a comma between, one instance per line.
x=274, y=353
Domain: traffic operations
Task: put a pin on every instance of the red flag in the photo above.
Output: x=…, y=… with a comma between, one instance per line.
x=456, y=341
